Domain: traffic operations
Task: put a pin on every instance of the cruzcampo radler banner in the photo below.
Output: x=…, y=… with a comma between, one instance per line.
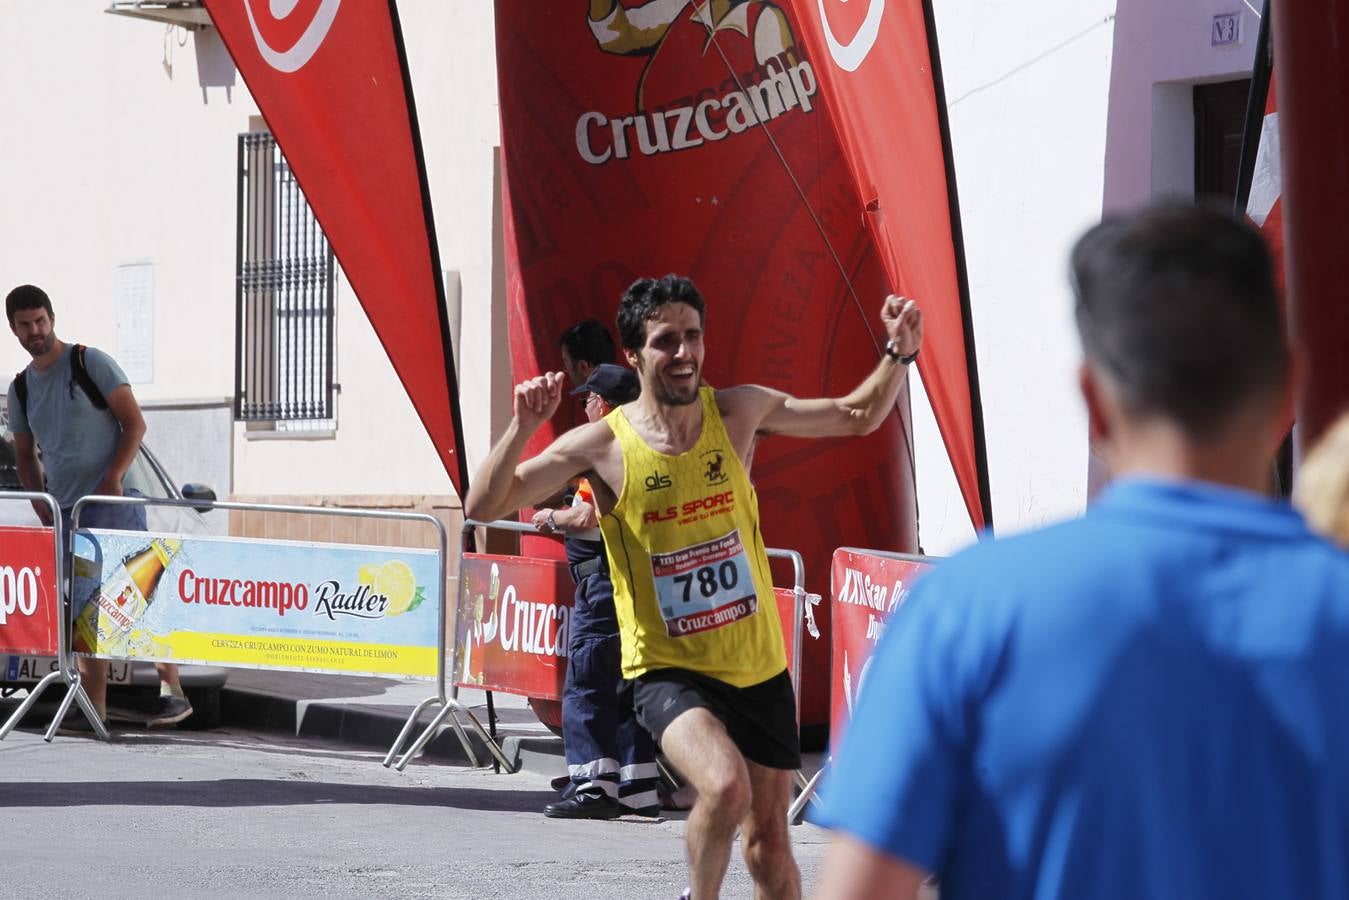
x=256, y=604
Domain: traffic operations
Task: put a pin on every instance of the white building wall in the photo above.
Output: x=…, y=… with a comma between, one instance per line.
x=1026, y=85
x=114, y=154
x=1162, y=49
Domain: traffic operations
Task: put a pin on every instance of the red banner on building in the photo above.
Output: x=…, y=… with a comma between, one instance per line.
x=29, y=608
x=864, y=590
x=878, y=69
x=331, y=81
x=642, y=138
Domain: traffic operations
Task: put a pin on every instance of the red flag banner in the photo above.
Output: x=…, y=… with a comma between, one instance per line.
x=1264, y=205
x=331, y=81
x=652, y=136
x=877, y=67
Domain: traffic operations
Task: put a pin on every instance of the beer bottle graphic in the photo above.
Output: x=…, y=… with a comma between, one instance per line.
x=122, y=601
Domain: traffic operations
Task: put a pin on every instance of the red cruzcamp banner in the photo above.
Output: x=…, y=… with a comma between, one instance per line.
x=331, y=81
x=641, y=138
x=28, y=600
x=877, y=67
x=511, y=630
x=865, y=590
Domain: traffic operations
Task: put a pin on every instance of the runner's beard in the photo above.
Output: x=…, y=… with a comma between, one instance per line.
x=668, y=396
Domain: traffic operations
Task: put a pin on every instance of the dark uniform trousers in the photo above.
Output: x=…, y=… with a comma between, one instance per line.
x=607, y=750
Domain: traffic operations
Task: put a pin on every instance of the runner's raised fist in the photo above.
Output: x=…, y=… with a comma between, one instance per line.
x=903, y=322
x=537, y=399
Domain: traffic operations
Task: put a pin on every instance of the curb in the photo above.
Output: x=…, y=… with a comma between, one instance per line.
x=377, y=728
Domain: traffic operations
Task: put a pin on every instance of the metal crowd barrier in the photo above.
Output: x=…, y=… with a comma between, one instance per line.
x=447, y=696
x=808, y=788
x=66, y=670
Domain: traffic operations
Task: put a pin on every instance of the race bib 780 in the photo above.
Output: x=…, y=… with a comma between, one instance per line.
x=705, y=586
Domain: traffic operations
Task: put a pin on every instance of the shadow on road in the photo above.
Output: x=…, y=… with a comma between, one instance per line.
x=231, y=792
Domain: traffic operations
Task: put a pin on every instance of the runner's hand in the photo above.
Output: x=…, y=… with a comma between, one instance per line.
x=537, y=399
x=903, y=322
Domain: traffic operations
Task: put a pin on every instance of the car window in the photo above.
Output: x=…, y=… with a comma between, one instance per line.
x=143, y=477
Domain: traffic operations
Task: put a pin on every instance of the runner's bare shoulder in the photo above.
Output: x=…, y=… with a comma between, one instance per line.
x=594, y=449
x=747, y=404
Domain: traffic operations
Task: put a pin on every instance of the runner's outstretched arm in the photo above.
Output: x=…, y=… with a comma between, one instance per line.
x=861, y=411
x=504, y=484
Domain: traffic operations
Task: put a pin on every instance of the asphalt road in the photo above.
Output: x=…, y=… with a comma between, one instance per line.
x=234, y=813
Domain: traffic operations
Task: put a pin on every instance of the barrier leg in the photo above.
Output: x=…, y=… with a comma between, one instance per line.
x=33, y=693
x=492, y=746
x=425, y=738
x=88, y=706
x=463, y=739
x=807, y=794
x=76, y=692
x=407, y=730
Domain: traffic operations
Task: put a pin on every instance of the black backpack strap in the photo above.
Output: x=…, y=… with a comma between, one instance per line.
x=21, y=391
x=85, y=380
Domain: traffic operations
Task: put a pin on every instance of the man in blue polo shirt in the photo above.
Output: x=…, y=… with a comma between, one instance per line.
x=1151, y=701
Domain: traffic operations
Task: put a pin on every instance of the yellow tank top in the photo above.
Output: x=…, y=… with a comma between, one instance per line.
x=691, y=580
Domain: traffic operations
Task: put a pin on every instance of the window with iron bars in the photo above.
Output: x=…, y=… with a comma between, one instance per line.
x=284, y=367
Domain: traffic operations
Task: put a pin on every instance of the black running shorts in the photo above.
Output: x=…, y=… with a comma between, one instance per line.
x=761, y=718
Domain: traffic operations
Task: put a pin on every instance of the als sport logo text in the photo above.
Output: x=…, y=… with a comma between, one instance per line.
x=18, y=591
x=657, y=481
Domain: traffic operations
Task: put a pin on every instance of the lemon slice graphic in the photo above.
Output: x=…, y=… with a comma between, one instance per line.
x=366, y=574
x=396, y=582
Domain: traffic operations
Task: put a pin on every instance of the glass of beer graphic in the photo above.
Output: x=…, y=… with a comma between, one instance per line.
x=125, y=597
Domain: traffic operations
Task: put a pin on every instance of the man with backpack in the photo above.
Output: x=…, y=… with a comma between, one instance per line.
x=74, y=403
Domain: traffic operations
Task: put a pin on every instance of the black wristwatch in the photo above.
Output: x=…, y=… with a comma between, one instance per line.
x=891, y=352
x=552, y=522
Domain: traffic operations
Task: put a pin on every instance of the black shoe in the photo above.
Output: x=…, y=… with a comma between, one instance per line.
x=171, y=711
x=585, y=806
x=645, y=812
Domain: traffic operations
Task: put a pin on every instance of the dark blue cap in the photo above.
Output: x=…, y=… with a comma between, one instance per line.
x=615, y=384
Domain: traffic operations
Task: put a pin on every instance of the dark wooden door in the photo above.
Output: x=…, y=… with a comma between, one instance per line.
x=1219, y=122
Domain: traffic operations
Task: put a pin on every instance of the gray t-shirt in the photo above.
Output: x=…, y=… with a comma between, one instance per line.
x=77, y=439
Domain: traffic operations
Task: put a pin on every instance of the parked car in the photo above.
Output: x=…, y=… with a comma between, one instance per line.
x=131, y=684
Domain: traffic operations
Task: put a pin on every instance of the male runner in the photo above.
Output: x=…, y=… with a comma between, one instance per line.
x=701, y=642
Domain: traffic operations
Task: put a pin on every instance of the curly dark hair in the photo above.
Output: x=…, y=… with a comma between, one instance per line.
x=645, y=297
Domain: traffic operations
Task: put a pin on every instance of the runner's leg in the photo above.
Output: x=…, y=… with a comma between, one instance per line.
x=765, y=839
x=697, y=743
